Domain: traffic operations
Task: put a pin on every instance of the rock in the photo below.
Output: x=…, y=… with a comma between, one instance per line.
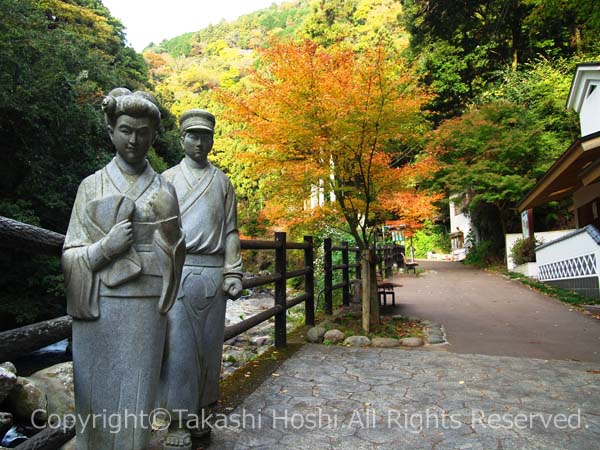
x=413, y=319
x=9, y=366
x=427, y=322
x=8, y=380
x=398, y=317
x=26, y=399
x=49, y=391
x=436, y=340
x=357, y=341
x=434, y=332
x=259, y=341
x=71, y=445
x=385, y=342
x=57, y=382
x=316, y=335
x=411, y=342
x=237, y=356
x=334, y=336
x=6, y=421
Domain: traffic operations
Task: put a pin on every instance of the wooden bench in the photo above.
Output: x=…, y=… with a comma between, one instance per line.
x=385, y=288
x=410, y=266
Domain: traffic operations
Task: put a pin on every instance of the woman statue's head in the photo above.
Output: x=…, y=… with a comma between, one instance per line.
x=132, y=121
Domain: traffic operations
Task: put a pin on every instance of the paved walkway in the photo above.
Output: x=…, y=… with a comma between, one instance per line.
x=508, y=382
x=354, y=398
x=485, y=313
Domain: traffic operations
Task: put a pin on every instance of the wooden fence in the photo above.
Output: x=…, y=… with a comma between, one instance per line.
x=36, y=240
x=329, y=268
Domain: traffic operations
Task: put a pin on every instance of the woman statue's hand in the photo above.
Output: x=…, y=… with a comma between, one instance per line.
x=118, y=240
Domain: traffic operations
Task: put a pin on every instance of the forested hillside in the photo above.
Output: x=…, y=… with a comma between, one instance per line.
x=383, y=107
x=494, y=76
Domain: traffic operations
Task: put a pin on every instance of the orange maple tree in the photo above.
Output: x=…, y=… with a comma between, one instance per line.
x=412, y=204
x=326, y=117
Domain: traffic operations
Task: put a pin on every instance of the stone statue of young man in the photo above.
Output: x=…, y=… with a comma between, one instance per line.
x=122, y=260
x=212, y=272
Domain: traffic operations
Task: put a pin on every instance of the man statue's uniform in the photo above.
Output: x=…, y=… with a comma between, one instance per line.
x=191, y=372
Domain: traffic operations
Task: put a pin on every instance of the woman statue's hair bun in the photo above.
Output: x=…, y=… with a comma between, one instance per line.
x=109, y=105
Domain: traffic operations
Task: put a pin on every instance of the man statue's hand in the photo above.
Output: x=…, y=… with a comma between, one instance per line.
x=232, y=286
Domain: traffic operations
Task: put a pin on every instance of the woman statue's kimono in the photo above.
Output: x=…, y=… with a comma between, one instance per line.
x=122, y=259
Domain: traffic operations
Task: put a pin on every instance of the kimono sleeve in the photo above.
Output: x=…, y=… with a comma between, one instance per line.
x=79, y=257
x=233, y=257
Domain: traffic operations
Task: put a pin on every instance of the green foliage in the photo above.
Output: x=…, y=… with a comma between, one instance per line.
x=495, y=153
x=563, y=295
x=32, y=289
x=460, y=50
x=523, y=250
x=481, y=255
x=57, y=59
x=431, y=238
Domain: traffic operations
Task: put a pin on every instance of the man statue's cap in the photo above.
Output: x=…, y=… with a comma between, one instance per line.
x=197, y=119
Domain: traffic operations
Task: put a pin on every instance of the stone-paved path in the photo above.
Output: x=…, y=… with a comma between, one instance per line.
x=485, y=313
x=355, y=398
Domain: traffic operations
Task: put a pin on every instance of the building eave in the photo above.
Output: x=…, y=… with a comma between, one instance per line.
x=579, y=86
x=565, y=175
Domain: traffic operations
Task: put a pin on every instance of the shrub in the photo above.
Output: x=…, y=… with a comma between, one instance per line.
x=480, y=254
x=523, y=250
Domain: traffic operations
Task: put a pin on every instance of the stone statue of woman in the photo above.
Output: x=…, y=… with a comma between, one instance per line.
x=122, y=260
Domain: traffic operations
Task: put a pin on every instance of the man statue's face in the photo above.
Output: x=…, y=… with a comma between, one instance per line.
x=197, y=144
x=132, y=137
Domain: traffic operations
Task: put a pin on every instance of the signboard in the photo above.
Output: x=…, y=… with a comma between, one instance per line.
x=527, y=223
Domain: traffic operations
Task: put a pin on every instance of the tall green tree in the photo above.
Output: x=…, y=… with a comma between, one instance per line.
x=57, y=60
x=463, y=46
x=494, y=154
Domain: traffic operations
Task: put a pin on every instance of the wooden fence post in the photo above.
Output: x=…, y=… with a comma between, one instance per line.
x=346, y=275
x=309, y=282
x=328, y=264
x=358, y=262
x=280, y=291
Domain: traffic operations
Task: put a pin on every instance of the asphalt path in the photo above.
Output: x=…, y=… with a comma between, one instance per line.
x=486, y=313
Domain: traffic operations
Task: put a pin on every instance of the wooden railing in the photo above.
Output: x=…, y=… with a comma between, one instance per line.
x=32, y=239
x=329, y=268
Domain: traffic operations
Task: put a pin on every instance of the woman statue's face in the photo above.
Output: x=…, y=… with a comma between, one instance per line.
x=132, y=137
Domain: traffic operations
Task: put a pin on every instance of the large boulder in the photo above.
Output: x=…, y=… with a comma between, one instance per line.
x=316, y=335
x=8, y=380
x=9, y=366
x=28, y=401
x=384, y=342
x=357, y=341
x=47, y=392
x=411, y=342
x=57, y=382
x=334, y=336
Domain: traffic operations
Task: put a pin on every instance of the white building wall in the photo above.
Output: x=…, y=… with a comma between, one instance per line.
x=459, y=222
x=575, y=257
x=543, y=237
x=590, y=110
